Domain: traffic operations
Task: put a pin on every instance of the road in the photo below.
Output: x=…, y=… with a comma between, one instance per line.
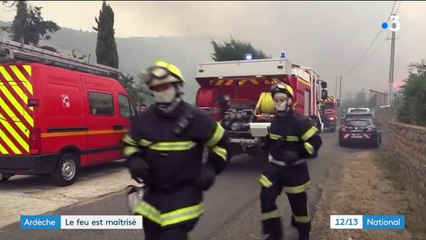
x=235, y=190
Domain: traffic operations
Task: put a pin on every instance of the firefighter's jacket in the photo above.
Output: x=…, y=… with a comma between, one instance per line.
x=175, y=160
x=293, y=132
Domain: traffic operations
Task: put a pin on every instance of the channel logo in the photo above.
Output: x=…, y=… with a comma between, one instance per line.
x=396, y=25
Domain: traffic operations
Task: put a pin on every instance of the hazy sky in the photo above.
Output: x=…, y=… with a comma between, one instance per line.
x=328, y=36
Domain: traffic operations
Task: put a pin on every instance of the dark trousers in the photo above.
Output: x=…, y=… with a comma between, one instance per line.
x=294, y=180
x=153, y=231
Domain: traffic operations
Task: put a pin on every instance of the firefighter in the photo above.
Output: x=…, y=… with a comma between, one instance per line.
x=292, y=139
x=164, y=150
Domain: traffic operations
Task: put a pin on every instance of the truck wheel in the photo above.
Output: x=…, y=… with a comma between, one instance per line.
x=5, y=178
x=66, y=170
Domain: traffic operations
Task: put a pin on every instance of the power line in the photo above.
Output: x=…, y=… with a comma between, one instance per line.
x=365, y=52
x=397, y=9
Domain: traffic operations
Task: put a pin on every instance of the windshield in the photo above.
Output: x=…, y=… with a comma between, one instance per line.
x=358, y=123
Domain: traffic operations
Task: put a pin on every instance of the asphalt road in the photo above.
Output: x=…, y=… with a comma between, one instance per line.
x=235, y=190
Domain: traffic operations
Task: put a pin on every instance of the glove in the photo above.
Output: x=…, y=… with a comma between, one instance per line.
x=139, y=169
x=265, y=144
x=290, y=157
x=206, y=178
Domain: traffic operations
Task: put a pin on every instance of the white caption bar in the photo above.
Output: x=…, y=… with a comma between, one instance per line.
x=101, y=222
x=346, y=221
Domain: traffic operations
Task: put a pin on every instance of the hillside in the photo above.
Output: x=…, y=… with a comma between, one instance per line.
x=136, y=53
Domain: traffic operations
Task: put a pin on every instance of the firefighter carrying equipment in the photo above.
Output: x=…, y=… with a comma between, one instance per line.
x=173, y=196
x=161, y=73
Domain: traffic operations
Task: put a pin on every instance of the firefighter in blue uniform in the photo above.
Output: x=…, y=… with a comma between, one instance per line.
x=164, y=150
x=291, y=141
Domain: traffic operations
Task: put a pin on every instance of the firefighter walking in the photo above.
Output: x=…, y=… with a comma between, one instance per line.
x=291, y=140
x=164, y=149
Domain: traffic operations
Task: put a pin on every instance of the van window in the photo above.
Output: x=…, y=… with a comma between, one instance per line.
x=126, y=107
x=101, y=103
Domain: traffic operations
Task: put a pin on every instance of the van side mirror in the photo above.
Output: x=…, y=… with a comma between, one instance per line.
x=324, y=84
x=324, y=94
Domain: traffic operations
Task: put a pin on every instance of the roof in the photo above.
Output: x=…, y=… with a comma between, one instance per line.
x=273, y=66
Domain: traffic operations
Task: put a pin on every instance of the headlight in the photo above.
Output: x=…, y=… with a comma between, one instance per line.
x=232, y=115
x=239, y=115
x=235, y=126
x=226, y=117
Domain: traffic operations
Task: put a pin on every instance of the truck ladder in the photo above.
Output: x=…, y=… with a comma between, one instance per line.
x=15, y=51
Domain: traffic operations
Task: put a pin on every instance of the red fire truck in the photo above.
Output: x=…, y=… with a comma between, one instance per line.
x=237, y=94
x=328, y=113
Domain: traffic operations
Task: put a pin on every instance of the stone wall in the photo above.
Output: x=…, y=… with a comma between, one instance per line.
x=408, y=143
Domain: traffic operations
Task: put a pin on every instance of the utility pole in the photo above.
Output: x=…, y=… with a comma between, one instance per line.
x=335, y=89
x=340, y=91
x=391, y=67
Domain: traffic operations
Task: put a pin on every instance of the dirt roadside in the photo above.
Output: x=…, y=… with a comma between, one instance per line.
x=361, y=189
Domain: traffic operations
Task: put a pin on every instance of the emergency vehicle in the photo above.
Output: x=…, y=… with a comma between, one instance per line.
x=58, y=113
x=237, y=94
x=328, y=113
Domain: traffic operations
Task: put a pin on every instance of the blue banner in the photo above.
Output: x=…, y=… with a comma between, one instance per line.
x=40, y=222
x=383, y=222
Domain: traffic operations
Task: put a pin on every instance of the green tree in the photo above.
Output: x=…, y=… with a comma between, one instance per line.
x=235, y=50
x=139, y=93
x=106, y=48
x=412, y=109
x=28, y=25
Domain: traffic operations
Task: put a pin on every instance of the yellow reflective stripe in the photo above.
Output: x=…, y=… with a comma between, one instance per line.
x=28, y=69
x=3, y=150
x=264, y=181
x=18, y=92
x=220, y=151
x=254, y=81
x=144, y=142
x=302, y=219
x=181, y=215
x=287, y=138
x=15, y=104
x=309, y=133
x=129, y=140
x=22, y=78
x=309, y=147
x=297, y=189
x=272, y=214
x=173, y=146
x=16, y=136
x=217, y=135
x=176, y=216
x=274, y=136
x=145, y=209
x=292, y=138
x=129, y=150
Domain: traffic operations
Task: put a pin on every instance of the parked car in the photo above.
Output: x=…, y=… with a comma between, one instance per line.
x=358, y=110
x=359, y=130
x=357, y=115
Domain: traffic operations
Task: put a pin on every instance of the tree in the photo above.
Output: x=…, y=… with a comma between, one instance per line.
x=139, y=93
x=28, y=25
x=106, y=48
x=235, y=50
x=412, y=109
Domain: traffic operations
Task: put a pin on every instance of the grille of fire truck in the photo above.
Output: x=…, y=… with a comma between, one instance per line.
x=18, y=52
